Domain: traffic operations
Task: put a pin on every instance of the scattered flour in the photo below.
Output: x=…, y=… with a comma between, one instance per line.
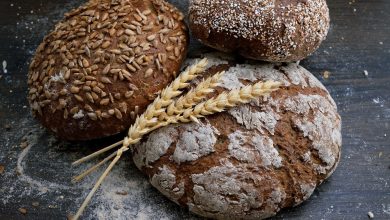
x=140, y=201
x=5, y=66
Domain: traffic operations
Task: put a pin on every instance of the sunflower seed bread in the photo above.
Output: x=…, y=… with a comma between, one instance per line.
x=254, y=160
x=275, y=31
x=103, y=64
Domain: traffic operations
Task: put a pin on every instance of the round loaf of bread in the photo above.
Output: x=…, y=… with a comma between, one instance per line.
x=253, y=160
x=276, y=31
x=104, y=64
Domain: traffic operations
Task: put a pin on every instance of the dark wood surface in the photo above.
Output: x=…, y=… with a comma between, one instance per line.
x=359, y=40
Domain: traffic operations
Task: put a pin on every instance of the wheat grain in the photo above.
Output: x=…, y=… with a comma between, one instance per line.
x=174, y=89
x=195, y=95
x=225, y=100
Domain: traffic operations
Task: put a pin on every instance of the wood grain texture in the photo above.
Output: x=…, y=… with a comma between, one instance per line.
x=358, y=40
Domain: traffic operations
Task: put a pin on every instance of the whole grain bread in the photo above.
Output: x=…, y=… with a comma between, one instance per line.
x=276, y=31
x=104, y=64
x=254, y=160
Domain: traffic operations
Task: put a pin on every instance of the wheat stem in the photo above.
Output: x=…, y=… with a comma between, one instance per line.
x=90, y=170
x=97, y=153
x=97, y=184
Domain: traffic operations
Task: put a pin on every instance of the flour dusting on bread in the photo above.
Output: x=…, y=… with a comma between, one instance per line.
x=252, y=160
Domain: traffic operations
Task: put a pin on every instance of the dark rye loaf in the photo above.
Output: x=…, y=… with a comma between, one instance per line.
x=253, y=160
x=104, y=64
x=276, y=31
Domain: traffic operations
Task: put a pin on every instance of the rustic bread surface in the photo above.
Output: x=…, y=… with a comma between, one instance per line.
x=253, y=160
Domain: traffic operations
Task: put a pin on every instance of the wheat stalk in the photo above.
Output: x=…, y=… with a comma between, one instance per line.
x=157, y=107
x=183, y=110
x=190, y=99
x=97, y=153
x=142, y=125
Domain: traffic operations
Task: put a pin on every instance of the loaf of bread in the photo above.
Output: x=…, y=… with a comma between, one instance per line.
x=103, y=65
x=254, y=160
x=276, y=31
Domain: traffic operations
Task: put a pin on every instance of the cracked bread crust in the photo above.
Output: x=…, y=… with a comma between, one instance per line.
x=254, y=160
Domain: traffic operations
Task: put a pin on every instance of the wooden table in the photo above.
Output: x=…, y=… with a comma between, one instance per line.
x=37, y=173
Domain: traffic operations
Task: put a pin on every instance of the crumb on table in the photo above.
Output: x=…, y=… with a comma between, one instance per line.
x=326, y=74
x=23, y=211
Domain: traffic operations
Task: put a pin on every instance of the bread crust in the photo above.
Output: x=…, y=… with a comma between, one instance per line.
x=254, y=160
x=104, y=64
x=275, y=31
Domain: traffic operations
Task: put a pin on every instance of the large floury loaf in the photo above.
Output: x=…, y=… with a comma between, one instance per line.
x=187, y=108
x=104, y=64
x=253, y=160
x=276, y=31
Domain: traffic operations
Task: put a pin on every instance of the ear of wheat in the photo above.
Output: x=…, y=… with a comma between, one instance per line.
x=195, y=95
x=165, y=99
x=166, y=110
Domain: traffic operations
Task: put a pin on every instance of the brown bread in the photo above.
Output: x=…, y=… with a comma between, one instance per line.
x=276, y=31
x=104, y=64
x=254, y=160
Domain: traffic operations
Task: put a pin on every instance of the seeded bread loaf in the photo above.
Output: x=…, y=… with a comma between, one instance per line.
x=103, y=64
x=276, y=31
x=253, y=160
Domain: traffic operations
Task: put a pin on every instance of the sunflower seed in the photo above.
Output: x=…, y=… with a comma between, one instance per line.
x=106, y=69
x=88, y=108
x=79, y=98
x=129, y=94
x=92, y=116
x=111, y=112
x=74, y=89
x=118, y=114
x=104, y=101
x=149, y=72
x=74, y=110
x=105, y=80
